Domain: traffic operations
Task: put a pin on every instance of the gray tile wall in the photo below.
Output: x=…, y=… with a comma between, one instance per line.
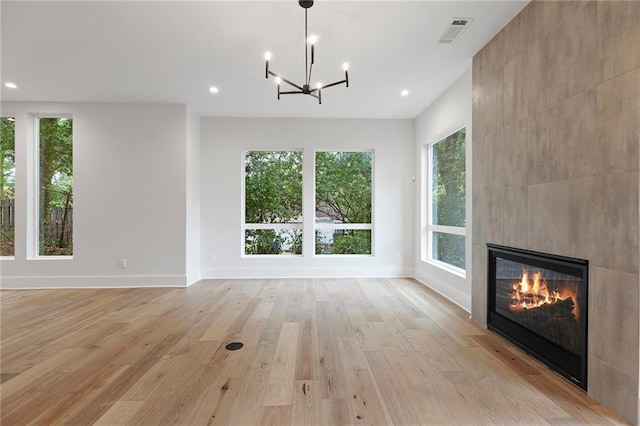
x=556, y=131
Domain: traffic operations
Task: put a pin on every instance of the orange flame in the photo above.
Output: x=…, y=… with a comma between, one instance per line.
x=529, y=293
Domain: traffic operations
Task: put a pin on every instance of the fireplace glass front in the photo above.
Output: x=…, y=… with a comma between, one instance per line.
x=539, y=302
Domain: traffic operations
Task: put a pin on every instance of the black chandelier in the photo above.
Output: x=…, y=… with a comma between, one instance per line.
x=305, y=89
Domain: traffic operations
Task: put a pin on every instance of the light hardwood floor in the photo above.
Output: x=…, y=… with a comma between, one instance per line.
x=317, y=351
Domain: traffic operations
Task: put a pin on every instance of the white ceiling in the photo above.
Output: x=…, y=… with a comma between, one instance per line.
x=174, y=51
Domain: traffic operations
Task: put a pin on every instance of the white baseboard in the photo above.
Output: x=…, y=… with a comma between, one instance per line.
x=125, y=281
x=244, y=273
x=192, y=279
x=93, y=281
x=459, y=298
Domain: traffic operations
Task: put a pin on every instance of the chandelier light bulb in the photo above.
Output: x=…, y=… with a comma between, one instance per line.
x=405, y=93
x=11, y=85
x=313, y=39
x=267, y=56
x=213, y=89
x=278, y=81
x=345, y=66
x=318, y=85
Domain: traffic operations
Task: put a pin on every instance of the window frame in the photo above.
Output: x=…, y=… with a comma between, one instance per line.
x=346, y=226
x=273, y=226
x=429, y=228
x=15, y=171
x=33, y=249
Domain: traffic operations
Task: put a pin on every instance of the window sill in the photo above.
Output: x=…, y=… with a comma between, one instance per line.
x=333, y=256
x=7, y=258
x=51, y=258
x=271, y=256
x=446, y=267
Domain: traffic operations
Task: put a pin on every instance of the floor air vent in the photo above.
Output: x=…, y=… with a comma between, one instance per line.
x=454, y=30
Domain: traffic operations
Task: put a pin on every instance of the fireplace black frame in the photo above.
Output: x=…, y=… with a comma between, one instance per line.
x=571, y=366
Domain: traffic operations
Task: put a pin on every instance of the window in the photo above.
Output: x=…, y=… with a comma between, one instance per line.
x=343, y=202
x=273, y=202
x=8, y=185
x=55, y=186
x=446, y=211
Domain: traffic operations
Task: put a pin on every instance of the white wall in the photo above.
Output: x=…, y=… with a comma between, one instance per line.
x=129, y=196
x=225, y=139
x=448, y=113
x=193, y=198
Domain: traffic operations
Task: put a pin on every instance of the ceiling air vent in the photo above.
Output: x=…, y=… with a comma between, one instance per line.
x=453, y=31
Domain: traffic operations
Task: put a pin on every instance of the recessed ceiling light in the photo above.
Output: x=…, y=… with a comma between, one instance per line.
x=405, y=93
x=11, y=85
x=213, y=89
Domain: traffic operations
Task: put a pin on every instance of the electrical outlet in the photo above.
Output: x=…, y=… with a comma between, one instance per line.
x=123, y=263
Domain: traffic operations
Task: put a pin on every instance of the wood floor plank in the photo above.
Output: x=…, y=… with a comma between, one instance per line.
x=30, y=376
x=331, y=371
x=316, y=351
x=307, y=365
x=351, y=354
x=306, y=407
x=119, y=414
x=391, y=387
x=275, y=416
x=219, y=328
x=256, y=382
x=366, y=405
x=282, y=375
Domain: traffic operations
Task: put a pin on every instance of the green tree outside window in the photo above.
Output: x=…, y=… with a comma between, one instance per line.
x=56, y=186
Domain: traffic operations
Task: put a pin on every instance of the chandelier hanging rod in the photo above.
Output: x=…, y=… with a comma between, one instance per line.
x=305, y=89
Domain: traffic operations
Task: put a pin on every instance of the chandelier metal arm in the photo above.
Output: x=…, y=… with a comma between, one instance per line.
x=290, y=83
x=305, y=89
x=335, y=84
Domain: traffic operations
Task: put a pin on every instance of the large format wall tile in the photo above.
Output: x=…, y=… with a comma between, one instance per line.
x=617, y=224
x=479, y=200
x=569, y=9
x=542, y=233
x=574, y=141
x=515, y=37
x=479, y=278
x=578, y=67
x=514, y=144
x=576, y=218
x=614, y=318
x=542, y=17
x=619, y=37
x=490, y=60
x=561, y=142
x=493, y=102
x=515, y=102
x=541, y=78
x=516, y=213
x=477, y=106
x=494, y=159
x=618, y=124
x=494, y=210
x=542, y=135
x=613, y=388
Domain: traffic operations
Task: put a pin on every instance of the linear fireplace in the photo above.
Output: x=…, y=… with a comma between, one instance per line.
x=539, y=302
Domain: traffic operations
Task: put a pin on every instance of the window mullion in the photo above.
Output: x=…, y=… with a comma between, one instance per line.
x=308, y=202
